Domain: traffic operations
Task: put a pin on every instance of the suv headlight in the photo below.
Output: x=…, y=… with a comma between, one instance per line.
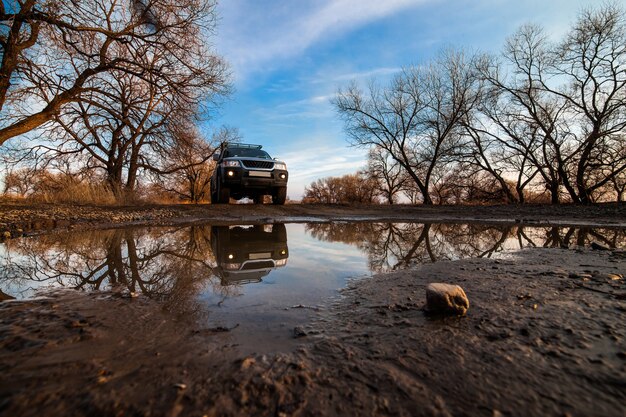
x=280, y=165
x=231, y=163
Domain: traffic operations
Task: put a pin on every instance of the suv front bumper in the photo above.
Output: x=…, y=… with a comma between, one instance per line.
x=237, y=177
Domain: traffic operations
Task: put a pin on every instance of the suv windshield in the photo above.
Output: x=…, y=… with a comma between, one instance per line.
x=246, y=153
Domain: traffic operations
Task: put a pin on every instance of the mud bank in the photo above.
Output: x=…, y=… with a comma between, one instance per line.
x=544, y=335
x=23, y=219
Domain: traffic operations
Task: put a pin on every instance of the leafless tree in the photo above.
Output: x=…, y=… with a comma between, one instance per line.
x=559, y=112
x=527, y=125
x=351, y=188
x=55, y=52
x=388, y=174
x=190, y=164
x=128, y=122
x=415, y=119
x=592, y=61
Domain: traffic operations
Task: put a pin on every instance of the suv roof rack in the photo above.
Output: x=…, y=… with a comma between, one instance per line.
x=243, y=145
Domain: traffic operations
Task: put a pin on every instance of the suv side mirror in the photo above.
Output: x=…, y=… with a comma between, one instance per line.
x=216, y=157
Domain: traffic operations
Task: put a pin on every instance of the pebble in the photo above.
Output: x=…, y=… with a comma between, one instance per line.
x=446, y=299
x=247, y=363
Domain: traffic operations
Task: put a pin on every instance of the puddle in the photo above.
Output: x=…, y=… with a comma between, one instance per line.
x=260, y=281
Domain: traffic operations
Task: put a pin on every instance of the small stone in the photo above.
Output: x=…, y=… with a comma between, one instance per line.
x=615, y=277
x=6, y=235
x=102, y=379
x=446, y=299
x=180, y=386
x=247, y=363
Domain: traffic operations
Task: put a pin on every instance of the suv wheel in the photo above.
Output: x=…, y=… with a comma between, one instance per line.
x=279, y=196
x=213, y=195
x=223, y=194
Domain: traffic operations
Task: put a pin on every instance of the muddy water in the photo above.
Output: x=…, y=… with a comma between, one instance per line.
x=255, y=284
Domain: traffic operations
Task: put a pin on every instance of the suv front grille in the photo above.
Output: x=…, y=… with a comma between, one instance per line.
x=258, y=164
x=258, y=265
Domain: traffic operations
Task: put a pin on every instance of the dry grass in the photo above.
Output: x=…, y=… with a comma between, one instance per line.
x=77, y=193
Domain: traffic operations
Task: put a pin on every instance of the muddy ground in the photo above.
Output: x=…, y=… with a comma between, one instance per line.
x=23, y=219
x=544, y=336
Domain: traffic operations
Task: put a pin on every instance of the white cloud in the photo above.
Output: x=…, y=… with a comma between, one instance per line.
x=314, y=158
x=310, y=108
x=253, y=35
x=364, y=74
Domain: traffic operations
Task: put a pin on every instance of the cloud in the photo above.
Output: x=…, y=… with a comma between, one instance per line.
x=315, y=107
x=307, y=162
x=254, y=35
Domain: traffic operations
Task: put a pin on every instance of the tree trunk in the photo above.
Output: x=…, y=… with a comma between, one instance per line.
x=114, y=179
x=554, y=193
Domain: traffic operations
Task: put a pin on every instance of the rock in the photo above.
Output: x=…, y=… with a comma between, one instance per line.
x=247, y=363
x=180, y=386
x=446, y=299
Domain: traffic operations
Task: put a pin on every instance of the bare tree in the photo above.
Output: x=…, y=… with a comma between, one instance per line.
x=528, y=126
x=351, y=188
x=592, y=60
x=561, y=108
x=54, y=50
x=416, y=119
x=190, y=164
x=127, y=123
x=387, y=173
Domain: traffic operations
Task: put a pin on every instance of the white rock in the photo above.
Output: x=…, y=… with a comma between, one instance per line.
x=446, y=299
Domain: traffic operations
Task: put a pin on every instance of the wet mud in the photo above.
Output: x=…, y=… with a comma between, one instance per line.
x=23, y=219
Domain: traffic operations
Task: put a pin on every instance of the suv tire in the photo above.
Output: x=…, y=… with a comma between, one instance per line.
x=279, y=196
x=223, y=194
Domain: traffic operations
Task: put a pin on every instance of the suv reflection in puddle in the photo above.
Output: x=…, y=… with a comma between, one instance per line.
x=245, y=254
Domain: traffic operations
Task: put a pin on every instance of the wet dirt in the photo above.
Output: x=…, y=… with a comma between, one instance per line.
x=20, y=219
x=544, y=335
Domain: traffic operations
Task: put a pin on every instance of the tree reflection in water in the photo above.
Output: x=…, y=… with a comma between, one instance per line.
x=171, y=265
x=174, y=265
x=391, y=246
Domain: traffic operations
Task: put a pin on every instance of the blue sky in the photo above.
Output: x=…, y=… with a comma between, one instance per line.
x=289, y=57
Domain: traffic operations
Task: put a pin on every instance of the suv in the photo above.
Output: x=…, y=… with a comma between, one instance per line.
x=244, y=170
x=246, y=253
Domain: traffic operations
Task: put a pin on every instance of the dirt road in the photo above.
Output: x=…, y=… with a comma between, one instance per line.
x=19, y=219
